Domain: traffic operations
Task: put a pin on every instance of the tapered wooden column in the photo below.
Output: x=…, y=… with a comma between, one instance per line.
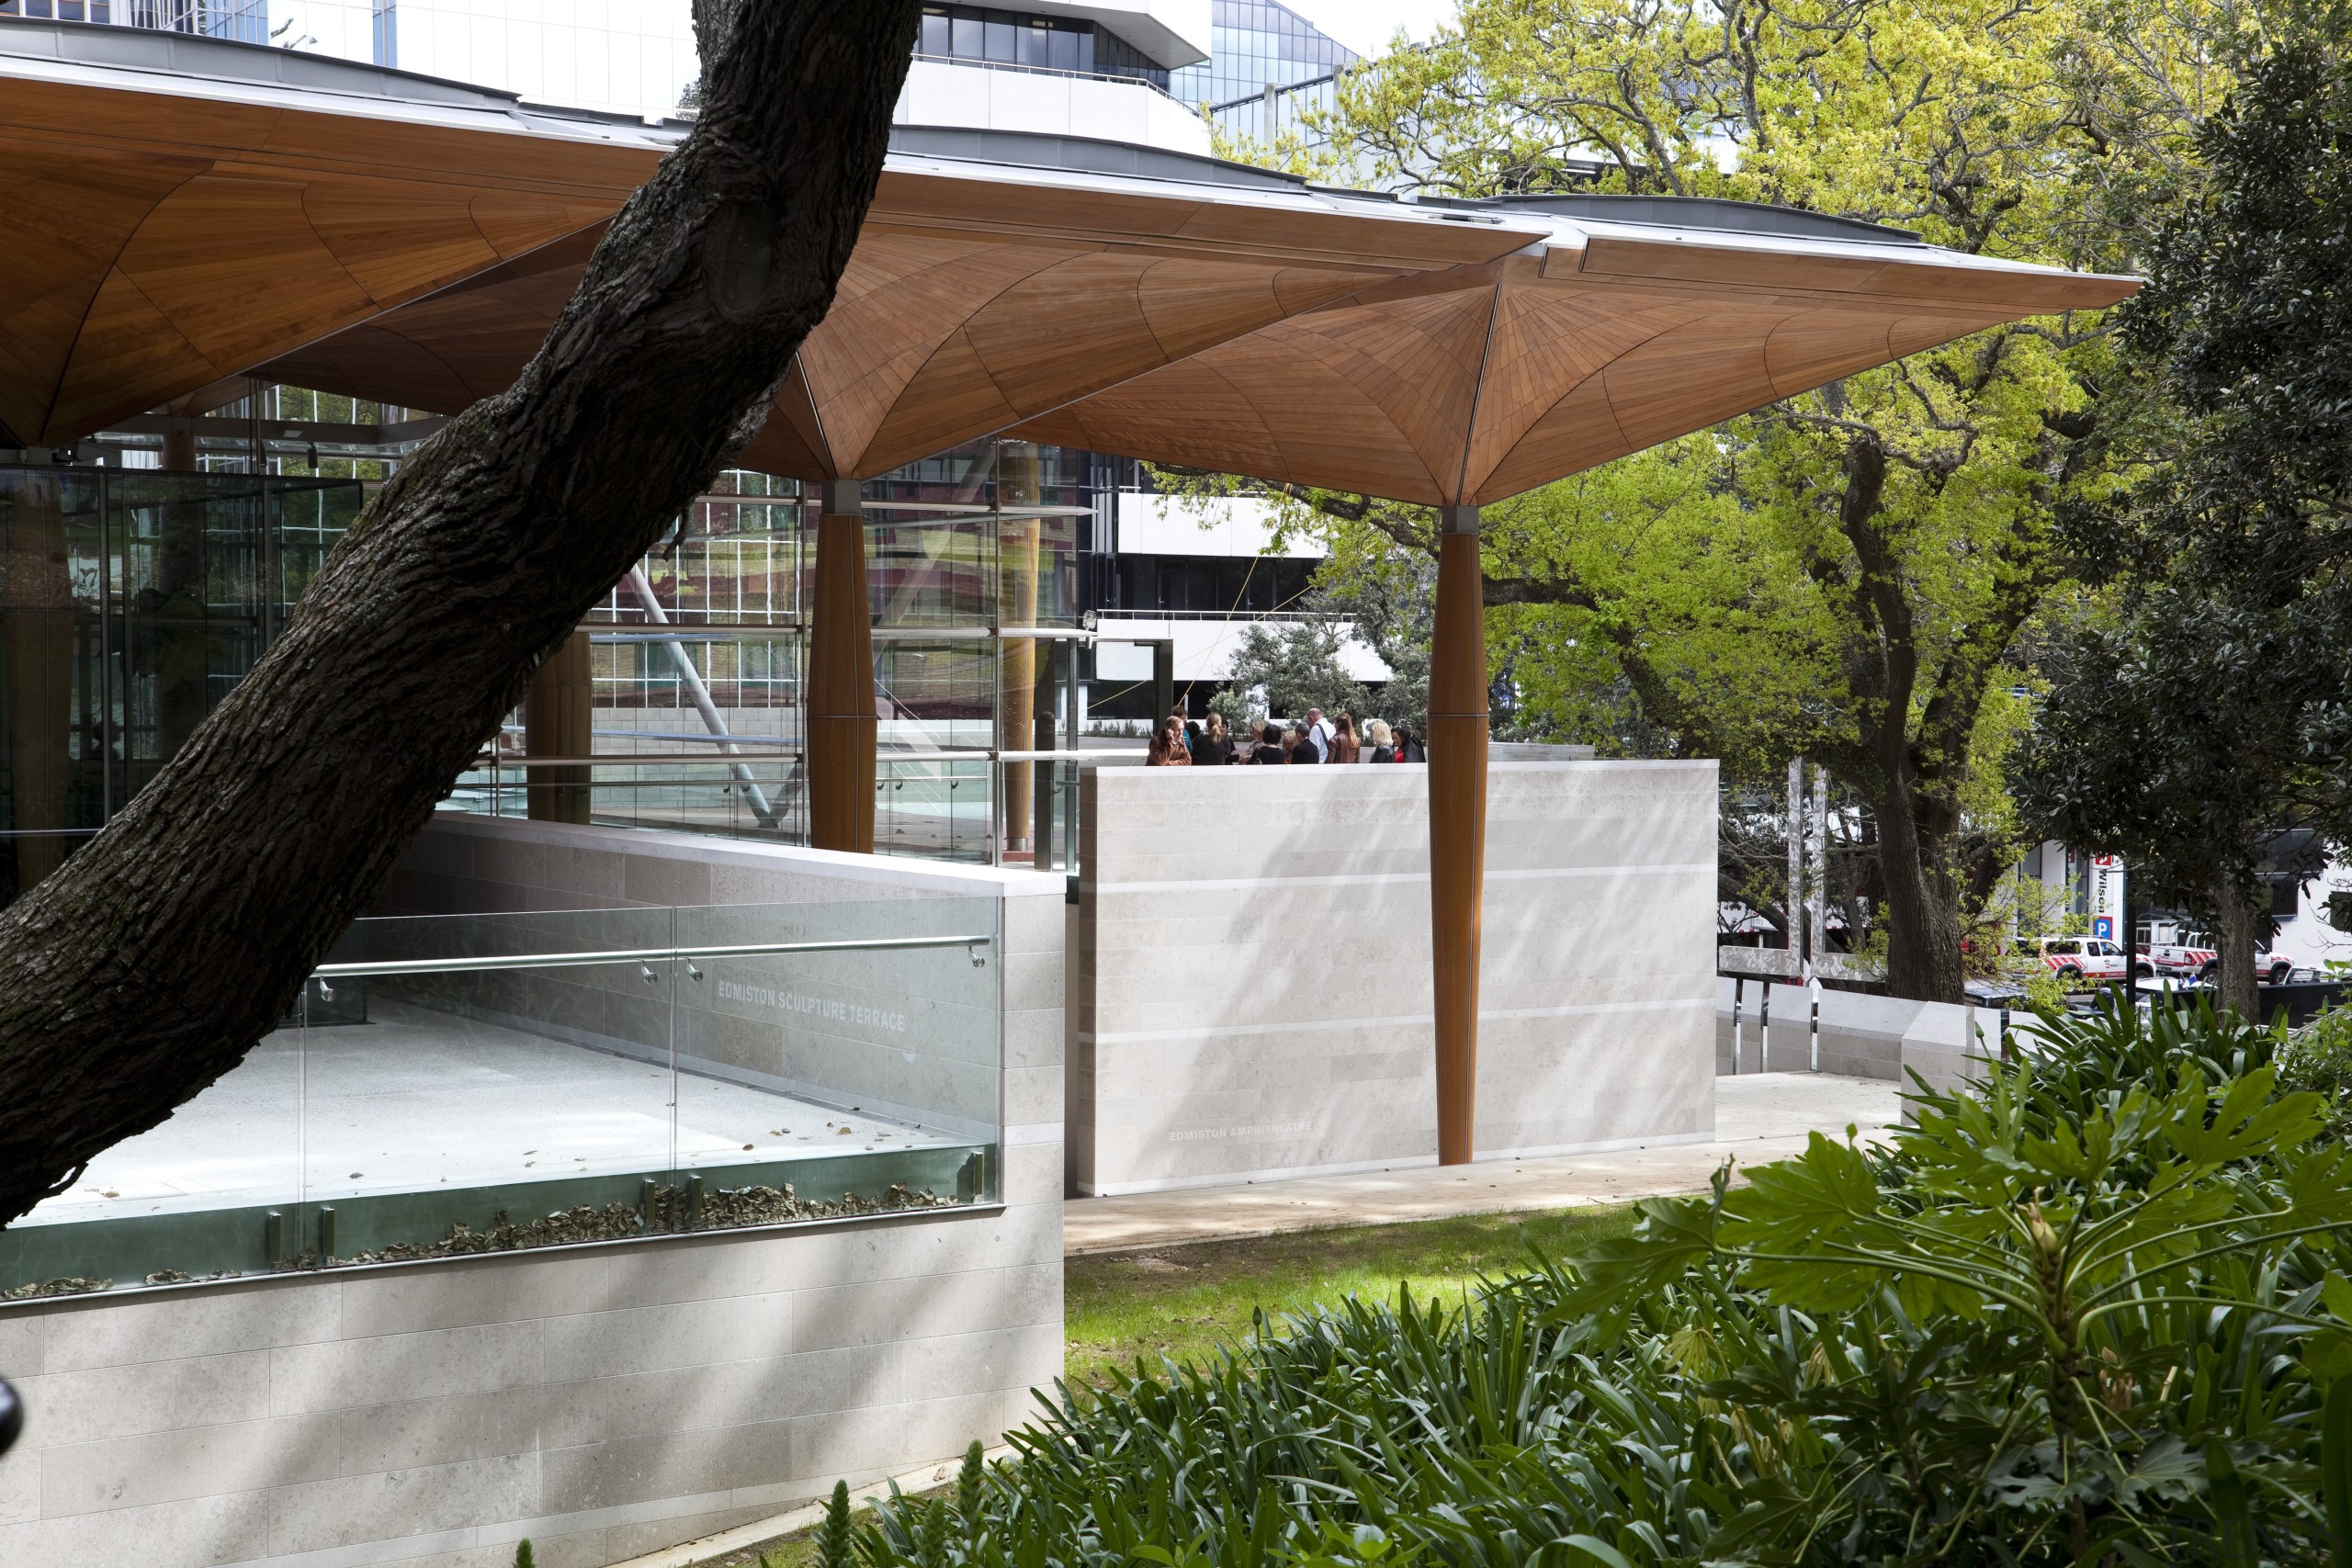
x=36, y=679
x=1016, y=605
x=1457, y=746
x=842, y=723
x=559, y=720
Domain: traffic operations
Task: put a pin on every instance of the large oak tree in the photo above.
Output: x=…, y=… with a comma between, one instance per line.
x=1845, y=574
x=154, y=959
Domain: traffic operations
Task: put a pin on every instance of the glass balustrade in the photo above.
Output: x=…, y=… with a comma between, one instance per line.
x=452, y=1086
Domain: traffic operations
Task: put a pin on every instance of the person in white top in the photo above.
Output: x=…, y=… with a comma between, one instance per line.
x=1318, y=734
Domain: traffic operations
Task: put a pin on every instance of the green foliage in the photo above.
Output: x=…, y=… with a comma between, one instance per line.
x=2319, y=1059
x=2204, y=716
x=522, y=1558
x=834, y=1537
x=1859, y=573
x=2091, y=1311
x=1297, y=663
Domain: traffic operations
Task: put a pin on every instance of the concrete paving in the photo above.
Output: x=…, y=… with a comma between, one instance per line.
x=416, y=1099
x=1759, y=1117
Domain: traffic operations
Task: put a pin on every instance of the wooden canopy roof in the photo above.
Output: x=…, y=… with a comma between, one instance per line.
x=173, y=220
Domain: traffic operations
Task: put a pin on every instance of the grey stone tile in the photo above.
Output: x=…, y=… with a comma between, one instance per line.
x=922, y=1308
x=1033, y=1095
x=490, y=1289
x=733, y=1393
x=1023, y=1358
x=24, y=1340
x=161, y=1396
x=1031, y=1176
x=631, y=1470
x=205, y=1533
x=1033, y=982
x=167, y=1467
x=194, y=1324
x=682, y=1333
x=1034, y=1038
x=20, y=1483
x=396, y=1503
x=396, y=1367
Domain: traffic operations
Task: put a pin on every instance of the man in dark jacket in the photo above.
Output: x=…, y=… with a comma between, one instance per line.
x=1269, y=750
x=1305, y=751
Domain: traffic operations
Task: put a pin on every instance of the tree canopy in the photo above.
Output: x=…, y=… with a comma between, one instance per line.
x=1853, y=574
x=2207, y=712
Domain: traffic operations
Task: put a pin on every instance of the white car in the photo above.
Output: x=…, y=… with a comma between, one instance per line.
x=2076, y=959
x=2195, y=955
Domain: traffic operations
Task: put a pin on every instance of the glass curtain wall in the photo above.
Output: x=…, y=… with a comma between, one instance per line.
x=697, y=661
x=1254, y=44
x=130, y=604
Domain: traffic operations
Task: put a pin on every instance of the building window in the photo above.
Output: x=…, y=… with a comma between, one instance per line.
x=387, y=35
x=1035, y=43
x=1254, y=44
x=242, y=21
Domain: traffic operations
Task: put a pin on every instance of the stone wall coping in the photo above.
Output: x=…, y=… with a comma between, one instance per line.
x=936, y=876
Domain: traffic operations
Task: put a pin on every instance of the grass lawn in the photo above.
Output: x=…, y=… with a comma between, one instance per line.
x=1182, y=1303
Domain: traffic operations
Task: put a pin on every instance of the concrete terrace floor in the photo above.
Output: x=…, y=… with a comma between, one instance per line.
x=417, y=1098
x=1759, y=1117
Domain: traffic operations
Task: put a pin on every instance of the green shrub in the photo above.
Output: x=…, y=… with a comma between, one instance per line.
x=2318, y=1058
x=2091, y=1311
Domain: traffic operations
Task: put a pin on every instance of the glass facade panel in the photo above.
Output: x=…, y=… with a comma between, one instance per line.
x=1254, y=44
x=451, y=1085
x=1035, y=43
x=130, y=604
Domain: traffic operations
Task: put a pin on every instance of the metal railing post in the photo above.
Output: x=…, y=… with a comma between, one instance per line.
x=1738, y=994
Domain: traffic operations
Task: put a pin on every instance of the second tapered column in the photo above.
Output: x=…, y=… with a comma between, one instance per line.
x=841, y=716
x=1457, y=746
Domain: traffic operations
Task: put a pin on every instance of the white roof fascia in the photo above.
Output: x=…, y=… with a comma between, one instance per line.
x=519, y=119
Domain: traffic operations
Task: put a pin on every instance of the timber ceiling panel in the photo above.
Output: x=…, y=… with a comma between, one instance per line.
x=159, y=241
x=952, y=320
x=1568, y=362
x=164, y=241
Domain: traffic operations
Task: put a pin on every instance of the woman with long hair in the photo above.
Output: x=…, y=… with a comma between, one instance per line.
x=1168, y=748
x=1344, y=746
x=1216, y=750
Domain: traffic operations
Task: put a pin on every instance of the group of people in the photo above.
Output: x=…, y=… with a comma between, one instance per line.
x=1182, y=742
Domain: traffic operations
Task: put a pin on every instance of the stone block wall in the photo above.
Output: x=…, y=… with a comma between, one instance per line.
x=1251, y=998
x=604, y=1400
x=1861, y=1036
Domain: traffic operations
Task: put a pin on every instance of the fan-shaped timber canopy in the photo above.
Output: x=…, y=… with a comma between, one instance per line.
x=177, y=210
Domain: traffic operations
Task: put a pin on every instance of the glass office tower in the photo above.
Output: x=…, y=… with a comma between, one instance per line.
x=1255, y=44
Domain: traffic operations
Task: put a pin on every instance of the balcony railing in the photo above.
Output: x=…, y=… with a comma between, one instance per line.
x=453, y=1086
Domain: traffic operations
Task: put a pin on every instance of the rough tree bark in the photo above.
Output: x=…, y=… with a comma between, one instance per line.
x=153, y=960
x=2233, y=937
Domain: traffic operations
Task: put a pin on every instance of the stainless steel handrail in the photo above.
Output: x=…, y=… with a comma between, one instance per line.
x=664, y=759
x=636, y=955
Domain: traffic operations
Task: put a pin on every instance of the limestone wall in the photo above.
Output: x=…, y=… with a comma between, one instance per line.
x=603, y=1400
x=1252, y=996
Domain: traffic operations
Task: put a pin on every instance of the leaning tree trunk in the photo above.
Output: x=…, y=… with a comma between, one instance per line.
x=2233, y=923
x=153, y=960
x=1922, y=919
